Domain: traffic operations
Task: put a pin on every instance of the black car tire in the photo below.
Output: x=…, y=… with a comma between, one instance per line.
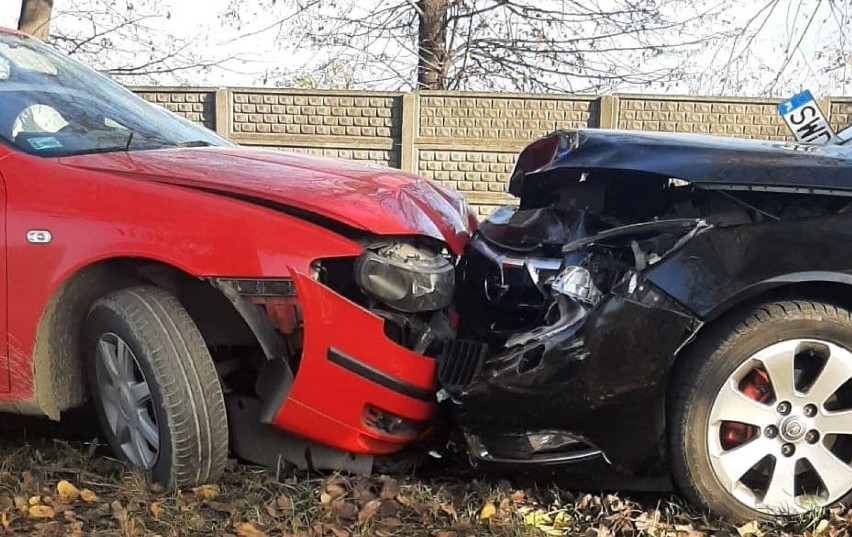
x=709, y=363
x=184, y=400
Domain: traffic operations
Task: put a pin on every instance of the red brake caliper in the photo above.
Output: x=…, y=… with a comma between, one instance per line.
x=757, y=386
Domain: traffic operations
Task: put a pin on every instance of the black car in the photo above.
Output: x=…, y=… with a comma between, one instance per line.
x=666, y=306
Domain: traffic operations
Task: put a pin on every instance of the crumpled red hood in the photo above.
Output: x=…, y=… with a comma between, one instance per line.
x=368, y=197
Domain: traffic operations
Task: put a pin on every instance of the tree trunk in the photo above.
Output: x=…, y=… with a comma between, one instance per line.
x=35, y=18
x=431, y=44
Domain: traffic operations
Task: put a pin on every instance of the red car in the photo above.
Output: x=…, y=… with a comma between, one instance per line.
x=186, y=286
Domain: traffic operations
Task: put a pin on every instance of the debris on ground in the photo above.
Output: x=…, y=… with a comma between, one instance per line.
x=55, y=487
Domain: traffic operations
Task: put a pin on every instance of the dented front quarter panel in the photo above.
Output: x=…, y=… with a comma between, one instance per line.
x=728, y=265
x=589, y=375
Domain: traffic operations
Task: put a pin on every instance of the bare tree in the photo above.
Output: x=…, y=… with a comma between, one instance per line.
x=432, y=61
x=133, y=39
x=537, y=45
x=779, y=46
x=716, y=46
x=35, y=18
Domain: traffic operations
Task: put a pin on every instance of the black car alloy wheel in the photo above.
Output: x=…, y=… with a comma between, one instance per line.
x=762, y=412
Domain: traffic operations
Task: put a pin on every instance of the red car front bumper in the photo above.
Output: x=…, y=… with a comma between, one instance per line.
x=351, y=374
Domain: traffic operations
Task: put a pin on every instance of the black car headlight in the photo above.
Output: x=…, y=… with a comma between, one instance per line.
x=406, y=278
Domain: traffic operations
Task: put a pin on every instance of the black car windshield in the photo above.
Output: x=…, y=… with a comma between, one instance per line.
x=53, y=106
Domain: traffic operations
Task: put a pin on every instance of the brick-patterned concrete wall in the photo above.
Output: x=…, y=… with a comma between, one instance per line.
x=481, y=175
x=467, y=141
x=748, y=118
x=197, y=105
x=500, y=116
x=362, y=126
x=841, y=113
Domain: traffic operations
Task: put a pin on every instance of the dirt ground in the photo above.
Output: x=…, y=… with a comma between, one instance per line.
x=58, y=485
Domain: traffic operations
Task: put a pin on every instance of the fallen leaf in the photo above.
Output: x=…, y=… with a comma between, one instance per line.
x=74, y=529
x=390, y=488
x=5, y=521
x=156, y=509
x=88, y=496
x=561, y=520
x=518, y=496
x=208, y=492
x=368, y=511
x=537, y=518
x=34, y=500
x=347, y=511
x=67, y=491
x=222, y=507
x=99, y=511
x=389, y=508
x=749, y=528
x=404, y=500
x=245, y=529
x=488, y=511
x=338, y=532
x=450, y=510
x=21, y=504
x=28, y=481
x=363, y=496
x=285, y=503
x=335, y=490
x=325, y=498
x=41, y=511
x=555, y=532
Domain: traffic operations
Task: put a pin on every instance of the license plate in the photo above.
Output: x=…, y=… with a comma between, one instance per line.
x=802, y=115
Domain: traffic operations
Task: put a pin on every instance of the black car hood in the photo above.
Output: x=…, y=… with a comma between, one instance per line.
x=703, y=159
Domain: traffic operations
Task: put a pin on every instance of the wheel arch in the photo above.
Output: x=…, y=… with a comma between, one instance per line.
x=58, y=380
x=831, y=286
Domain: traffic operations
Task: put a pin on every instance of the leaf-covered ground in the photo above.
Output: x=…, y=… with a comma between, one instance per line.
x=54, y=486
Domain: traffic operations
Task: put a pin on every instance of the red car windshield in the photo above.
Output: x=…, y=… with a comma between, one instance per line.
x=53, y=106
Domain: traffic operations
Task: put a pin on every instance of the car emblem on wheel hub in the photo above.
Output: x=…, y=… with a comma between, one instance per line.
x=793, y=428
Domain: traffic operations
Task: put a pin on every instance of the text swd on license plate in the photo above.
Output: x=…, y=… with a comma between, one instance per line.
x=804, y=117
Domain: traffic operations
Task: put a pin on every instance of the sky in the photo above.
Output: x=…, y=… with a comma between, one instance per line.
x=248, y=51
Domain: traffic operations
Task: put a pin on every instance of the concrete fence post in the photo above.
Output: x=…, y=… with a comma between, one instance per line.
x=224, y=112
x=408, y=134
x=608, y=106
x=825, y=106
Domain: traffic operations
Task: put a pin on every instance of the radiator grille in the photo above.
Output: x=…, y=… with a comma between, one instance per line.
x=460, y=363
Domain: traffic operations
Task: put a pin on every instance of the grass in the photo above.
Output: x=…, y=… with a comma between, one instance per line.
x=54, y=486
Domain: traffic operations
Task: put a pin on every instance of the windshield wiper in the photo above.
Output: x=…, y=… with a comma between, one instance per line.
x=193, y=143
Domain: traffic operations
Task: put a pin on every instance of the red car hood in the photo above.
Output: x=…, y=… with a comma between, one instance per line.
x=368, y=197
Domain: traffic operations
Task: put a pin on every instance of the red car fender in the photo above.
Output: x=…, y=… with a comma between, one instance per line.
x=93, y=216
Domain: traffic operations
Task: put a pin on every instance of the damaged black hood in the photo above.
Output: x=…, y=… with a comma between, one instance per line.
x=700, y=159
